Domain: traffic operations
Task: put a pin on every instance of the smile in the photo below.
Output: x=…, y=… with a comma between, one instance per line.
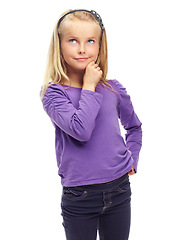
x=81, y=59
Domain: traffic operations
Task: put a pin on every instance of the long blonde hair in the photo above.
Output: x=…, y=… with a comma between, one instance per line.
x=56, y=69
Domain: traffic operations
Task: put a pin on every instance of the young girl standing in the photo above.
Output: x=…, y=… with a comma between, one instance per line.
x=93, y=159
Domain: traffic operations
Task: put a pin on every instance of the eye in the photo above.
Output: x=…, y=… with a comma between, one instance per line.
x=72, y=40
x=90, y=41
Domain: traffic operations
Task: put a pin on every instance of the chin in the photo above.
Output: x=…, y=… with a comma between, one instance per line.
x=81, y=68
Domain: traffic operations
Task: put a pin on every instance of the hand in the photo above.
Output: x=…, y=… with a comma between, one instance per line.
x=92, y=76
x=131, y=172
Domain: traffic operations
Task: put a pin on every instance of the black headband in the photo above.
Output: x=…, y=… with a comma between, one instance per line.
x=94, y=13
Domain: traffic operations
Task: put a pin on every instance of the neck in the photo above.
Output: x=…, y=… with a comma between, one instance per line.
x=76, y=78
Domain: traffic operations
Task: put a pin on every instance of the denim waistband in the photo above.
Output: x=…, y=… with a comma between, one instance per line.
x=102, y=186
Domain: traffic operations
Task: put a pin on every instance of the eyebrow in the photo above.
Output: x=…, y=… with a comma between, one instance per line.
x=74, y=36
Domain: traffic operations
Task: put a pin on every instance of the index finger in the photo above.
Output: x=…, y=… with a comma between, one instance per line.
x=91, y=63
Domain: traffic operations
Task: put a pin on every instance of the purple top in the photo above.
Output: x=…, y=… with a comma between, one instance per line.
x=89, y=145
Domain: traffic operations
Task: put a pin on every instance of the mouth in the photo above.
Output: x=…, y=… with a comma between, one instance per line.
x=81, y=59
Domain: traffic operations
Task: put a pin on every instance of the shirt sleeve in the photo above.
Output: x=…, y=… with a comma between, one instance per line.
x=78, y=123
x=131, y=124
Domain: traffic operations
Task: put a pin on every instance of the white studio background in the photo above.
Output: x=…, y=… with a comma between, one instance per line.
x=30, y=189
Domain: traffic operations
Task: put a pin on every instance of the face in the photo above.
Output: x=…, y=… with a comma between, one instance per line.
x=80, y=42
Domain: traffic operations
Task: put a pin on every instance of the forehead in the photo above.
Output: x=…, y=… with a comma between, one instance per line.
x=80, y=29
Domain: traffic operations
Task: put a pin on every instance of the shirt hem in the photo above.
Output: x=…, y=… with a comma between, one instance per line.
x=96, y=181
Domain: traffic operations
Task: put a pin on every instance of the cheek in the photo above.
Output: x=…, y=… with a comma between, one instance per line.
x=94, y=49
x=66, y=50
x=95, y=52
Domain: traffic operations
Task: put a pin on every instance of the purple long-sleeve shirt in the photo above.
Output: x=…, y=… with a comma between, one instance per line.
x=88, y=142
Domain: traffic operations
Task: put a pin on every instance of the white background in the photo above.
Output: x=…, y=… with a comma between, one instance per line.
x=30, y=189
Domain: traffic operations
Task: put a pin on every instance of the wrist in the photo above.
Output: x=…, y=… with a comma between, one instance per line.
x=90, y=87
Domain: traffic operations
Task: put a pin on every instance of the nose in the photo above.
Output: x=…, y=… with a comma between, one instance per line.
x=81, y=49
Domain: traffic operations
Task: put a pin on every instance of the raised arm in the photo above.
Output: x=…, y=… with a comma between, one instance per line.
x=78, y=123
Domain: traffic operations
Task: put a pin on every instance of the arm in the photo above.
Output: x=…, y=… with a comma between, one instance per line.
x=131, y=124
x=78, y=123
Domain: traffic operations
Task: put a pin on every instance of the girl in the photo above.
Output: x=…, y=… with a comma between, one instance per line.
x=94, y=161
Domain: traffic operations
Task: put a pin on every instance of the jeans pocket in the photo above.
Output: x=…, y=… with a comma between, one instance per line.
x=74, y=194
x=124, y=186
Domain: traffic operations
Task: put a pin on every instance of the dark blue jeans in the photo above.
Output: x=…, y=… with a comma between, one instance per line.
x=105, y=207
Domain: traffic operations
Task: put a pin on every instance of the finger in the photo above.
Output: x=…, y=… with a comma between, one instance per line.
x=95, y=66
x=101, y=73
x=92, y=63
x=131, y=172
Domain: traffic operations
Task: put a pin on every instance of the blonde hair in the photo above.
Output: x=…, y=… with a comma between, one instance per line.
x=56, y=69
